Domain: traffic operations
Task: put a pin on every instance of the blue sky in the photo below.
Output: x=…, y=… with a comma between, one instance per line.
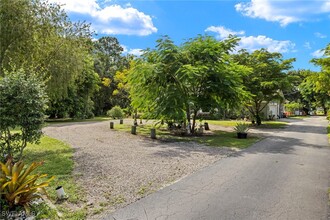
x=294, y=28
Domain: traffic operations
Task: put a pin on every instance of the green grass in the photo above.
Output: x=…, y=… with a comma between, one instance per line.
x=265, y=124
x=225, y=123
x=299, y=116
x=228, y=139
x=273, y=124
x=328, y=129
x=58, y=162
x=70, y=120
x=215, y=139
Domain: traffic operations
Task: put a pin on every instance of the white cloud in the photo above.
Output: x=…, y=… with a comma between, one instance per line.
x=319, y=35
x=284, y=12
x=307, y=45
x=224, y=32
x=79, y=6
x=318, y=53
x=252, y=43
x=112, y=19
x=136, y=51
x=326, y=6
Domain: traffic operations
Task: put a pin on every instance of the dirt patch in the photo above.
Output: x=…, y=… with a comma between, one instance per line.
x=116, y=168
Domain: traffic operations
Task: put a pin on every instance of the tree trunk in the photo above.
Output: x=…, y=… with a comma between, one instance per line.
x=188, y=119
x=325, y=109
x=194, y=122
x=258, y=119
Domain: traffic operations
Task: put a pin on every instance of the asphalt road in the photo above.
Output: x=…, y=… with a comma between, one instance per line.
x=285, y=176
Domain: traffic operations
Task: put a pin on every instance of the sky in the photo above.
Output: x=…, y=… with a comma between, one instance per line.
x=296, y=28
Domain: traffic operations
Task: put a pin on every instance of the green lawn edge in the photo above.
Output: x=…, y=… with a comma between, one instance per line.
x=58, y=162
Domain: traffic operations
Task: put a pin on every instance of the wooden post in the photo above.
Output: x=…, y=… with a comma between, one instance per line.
x=111, y=125
x=121, y=121
x=133, y=129
x=153, y=133
x=206, y=126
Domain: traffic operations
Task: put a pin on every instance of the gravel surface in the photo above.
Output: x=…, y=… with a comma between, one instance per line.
x=284, y=176
x=117, y=168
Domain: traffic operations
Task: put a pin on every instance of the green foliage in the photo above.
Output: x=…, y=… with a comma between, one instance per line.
x=59, y=163
x=171, y=82
x=22, y=105
x=78, y=104
x=18, y=186
x=241, y=127
x=115, y=112
x=312, y=91
x=38, y=35
x=292, y=106
x=108, y=60
x=266, y=80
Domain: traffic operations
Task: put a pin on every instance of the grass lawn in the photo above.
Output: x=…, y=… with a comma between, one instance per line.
x=299, y=116
x=265, y=124
x=328, y=129
x=216, y=139
x=228, y=139
x=58, y=162
x=70, y=120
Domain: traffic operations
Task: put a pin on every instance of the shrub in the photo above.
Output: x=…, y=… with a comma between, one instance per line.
x=18, y=187
x=22, y=105
x=115, y=112
x=241, y=127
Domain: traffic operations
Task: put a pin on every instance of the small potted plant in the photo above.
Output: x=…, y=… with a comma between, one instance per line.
x=241, y=129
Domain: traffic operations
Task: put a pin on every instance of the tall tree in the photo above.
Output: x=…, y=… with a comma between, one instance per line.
x=295, y=92
x=321, y=80
x=267, y=79
x=38, y=35
x=172, y=82
x=108, y=60
x=313, y=93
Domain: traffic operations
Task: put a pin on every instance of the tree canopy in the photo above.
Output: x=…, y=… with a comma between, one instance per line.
x=38, y=35
x=174, y=82
x=266, y=80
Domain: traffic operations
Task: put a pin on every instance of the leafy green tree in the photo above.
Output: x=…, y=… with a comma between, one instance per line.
x=175, y=82
x=321, y=80
x=313, y=93
x=108, y=60
x=293, y=106
x=22, y=105
x=267, y=78
x=38, y=35
x=78, y=103
x=295, y=92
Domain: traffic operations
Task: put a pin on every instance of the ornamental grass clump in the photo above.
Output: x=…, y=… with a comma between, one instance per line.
x=241, y=127
x=19, y=187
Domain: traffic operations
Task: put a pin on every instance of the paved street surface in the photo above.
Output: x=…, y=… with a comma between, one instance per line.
x=285, y=176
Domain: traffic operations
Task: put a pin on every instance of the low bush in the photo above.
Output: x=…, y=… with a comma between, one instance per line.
x=115, y=112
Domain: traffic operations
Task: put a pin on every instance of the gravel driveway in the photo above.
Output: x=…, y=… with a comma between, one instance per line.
x=284, y=176
x=116, y=168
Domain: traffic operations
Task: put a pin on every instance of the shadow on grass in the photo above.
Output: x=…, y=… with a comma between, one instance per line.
x=274, y=143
